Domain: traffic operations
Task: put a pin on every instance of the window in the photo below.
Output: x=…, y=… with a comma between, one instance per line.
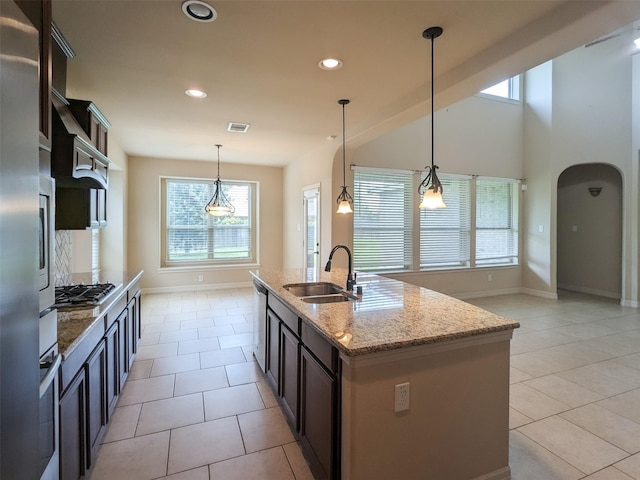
x=496, y=222
x=383, y=220
x=509, y=88
x=478, y=228
x=193, y=237
x=445, y=233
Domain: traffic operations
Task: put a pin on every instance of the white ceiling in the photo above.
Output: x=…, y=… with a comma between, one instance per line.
x=258, y=63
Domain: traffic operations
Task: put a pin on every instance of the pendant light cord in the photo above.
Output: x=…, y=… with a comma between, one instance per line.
x=433, y=138
x=218, y=160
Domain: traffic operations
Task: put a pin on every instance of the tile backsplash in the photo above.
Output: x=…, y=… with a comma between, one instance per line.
x=64, y=256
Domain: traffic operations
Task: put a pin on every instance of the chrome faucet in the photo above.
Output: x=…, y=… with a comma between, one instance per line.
x=327, y=268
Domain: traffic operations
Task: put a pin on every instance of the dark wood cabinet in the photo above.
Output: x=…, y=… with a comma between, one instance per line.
x=273, y=350
x=102, y=362
x=92, y=122
x=112, y=372
x=123, y=360
x=319, y=415
x=96, y=371
x=304, y=370
x=73, y=439
x=289, y=355
x=80, y=209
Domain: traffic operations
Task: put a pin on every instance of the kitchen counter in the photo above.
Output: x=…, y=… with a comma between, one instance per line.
x=450, y=358
x=389, y=315
x=75, y=322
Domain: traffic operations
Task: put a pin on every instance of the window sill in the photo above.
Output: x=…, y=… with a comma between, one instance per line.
x=191, y=268
x=435, y=271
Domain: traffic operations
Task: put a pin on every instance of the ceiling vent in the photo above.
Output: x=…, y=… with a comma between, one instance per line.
x=238, y=127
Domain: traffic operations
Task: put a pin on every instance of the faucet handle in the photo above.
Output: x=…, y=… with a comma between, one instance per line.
x=355, y=277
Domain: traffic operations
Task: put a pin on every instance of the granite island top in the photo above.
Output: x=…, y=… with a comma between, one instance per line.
x=74, y=322
x=390, y=314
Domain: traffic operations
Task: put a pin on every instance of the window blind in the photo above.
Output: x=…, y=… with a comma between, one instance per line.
x=496, y=222
x=383, y=220
x=193, y=235
x=445, y=233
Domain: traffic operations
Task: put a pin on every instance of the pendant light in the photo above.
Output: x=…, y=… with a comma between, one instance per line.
x=219, y=205
x=344, y=201
x=430, y=188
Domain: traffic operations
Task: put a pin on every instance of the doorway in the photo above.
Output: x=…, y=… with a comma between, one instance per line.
x=311, y=238
x=589, y=230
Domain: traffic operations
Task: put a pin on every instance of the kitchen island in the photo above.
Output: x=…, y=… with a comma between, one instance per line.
x=450, y=358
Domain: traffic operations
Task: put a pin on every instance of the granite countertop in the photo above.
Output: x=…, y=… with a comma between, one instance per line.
x=390, y=314
x=74, y=322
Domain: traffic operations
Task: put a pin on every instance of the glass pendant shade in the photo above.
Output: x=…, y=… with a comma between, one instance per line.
x=432, y=199
x=219, y=205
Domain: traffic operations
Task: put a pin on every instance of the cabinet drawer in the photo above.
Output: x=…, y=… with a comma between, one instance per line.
x=320, y=347
x=290, y=319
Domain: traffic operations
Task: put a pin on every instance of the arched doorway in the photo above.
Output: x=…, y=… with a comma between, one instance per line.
x=590, y=230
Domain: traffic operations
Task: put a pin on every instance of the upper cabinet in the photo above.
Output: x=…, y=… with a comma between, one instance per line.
x=39, y=13
x=79, y=159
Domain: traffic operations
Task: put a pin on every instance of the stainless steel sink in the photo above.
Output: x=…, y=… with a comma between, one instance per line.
x=336, y=297
x=319, y=292
x=312, y=289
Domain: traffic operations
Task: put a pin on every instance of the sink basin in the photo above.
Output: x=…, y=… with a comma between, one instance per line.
x=319, y=292
x=312, y=289
x=336, y=297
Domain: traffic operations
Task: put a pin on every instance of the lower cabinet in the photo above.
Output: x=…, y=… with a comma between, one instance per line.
x=88, y=401
x=318, y=414
x=289, y=371
x=73, y=440
x=96, y=372
x=112, y=342
x=303, y=370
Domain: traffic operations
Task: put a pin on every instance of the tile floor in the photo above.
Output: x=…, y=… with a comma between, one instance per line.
x=195, y=406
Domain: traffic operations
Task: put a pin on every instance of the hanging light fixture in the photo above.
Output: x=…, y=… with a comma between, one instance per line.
x=344, y=201
x=430, y=188
x=219, y=205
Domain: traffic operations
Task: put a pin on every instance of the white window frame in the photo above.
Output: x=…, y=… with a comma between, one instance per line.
x=210, y=262
x=514, y=88
x=418, y=228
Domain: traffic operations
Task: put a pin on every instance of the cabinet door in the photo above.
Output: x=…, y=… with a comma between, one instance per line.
x=273, y=350
x=96, y=368
x=132, y=332
x=112, y=372
x=73, y=432
x=289, y=355
x=318, y=414
x=123, y=361
x=134, y=313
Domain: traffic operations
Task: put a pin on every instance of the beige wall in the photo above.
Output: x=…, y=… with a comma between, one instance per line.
x=143, y=222
x=312, y=169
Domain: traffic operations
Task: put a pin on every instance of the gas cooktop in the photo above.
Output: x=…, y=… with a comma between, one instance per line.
x=82, y=295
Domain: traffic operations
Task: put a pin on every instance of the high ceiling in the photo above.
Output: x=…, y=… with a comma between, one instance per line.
x=258, y=63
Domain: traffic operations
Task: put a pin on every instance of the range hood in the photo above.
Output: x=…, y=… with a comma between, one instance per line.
x=75, y=160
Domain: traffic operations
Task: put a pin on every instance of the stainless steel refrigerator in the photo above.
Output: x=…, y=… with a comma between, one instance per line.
x=19, y=249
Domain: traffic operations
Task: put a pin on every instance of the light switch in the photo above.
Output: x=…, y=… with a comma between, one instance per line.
x=574, y=228
x=541, y=228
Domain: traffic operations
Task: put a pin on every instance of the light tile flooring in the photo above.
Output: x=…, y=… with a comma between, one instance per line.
x=195, y=406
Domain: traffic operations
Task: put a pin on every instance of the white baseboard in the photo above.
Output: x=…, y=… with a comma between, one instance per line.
x=486, y=293
x=590, y=291
x=197, y=288
x=539, y=293
x=629, y=303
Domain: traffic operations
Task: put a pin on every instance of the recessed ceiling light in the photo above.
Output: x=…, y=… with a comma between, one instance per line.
x=199, y=11
x=192, y=92
x=330, y=64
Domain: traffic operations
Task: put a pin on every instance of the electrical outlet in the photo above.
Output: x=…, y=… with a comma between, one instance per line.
x=490, y=278
x=200, y=278
x=402, y=394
